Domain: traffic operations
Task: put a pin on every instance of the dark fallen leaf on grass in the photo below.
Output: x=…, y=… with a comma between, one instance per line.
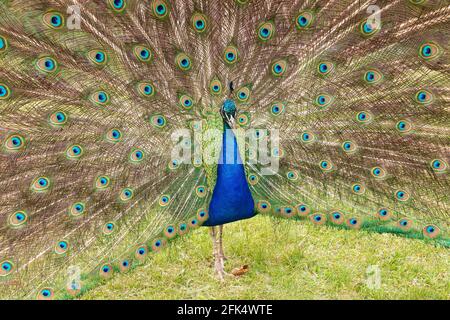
x=240, y=271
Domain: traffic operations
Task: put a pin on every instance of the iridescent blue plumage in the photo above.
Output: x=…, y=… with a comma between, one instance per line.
x=231, y=199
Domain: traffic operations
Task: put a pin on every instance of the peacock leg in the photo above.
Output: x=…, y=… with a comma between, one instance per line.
x=218, y=262
x=221, y=254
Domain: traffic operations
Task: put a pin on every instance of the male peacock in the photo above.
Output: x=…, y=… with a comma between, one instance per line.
x=350, y=101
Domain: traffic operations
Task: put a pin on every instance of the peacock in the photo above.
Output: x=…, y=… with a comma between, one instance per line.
x=126, y=124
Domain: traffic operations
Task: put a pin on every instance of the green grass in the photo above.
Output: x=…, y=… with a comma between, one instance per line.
x=288, y=260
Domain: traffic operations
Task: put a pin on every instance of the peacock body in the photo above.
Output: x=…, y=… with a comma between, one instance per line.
x=339, y=116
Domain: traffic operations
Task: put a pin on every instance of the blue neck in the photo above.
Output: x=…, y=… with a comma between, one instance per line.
x=231, y=199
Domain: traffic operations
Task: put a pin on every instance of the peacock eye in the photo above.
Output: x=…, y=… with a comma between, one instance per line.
x=278, y=68
x=364, y=117
x=100, y=98
x=266, y=31
x=97, y=57
x=18, y=219
x=424, y=97
x=142, y=53
x=243, y=119
x=74, y=152
x=109, y=228
x=199, y=22
x=372, y=76
x=307, y=137
x=46, y=64
x=5, y=92
x=54, y=20
x=186, y=102
x=40, y=184
x=61, y=247
x=58, y=119
x=354, y=223
x=164, y=200
x=160, y=9
x=368, y=29
x=402, y=195
x=77, y=209
x=124, y=265
x=105, y=271
x=326, y=165
x=126, y=194
x=183, y=62
x=439, y=165
x=3, y=44
x=403, y=126
x=230, y=55
x=14, y=143
x=215, y=87
x=349, y=146
x=117, y=5
x=429, y=51
x=431, y=231
x=318, y=218
x=45, y=294
x=378, y=172
x=323, y=100
x=358, y=188
x=136, y=156
x=102, y=182
x=304, y=20
x=6, y=267
x=325, y=68
x=113, y=135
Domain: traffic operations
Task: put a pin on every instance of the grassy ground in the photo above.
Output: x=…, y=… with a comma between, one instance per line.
x=288, y=260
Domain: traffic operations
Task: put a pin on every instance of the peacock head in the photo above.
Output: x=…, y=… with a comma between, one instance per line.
x=228, y=109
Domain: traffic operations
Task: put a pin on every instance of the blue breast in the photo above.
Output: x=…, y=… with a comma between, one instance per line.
x=231, y=199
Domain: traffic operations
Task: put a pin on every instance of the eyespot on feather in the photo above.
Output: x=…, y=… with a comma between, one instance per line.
x=45, y=294
x=142, y=53
x=117, y=5
x=303, y=210
x=318, y=218
x=3, y=44
x=278, y=68
x=102, y=182
x=429, y=51
x=431, y=231
x=337, y=217
x=384, y=214
x=6, y=268
x=183, y=62
x=46, y=64
x=40, y=184
x=77, y=209
x=14, y=143
x=160, y=9
x=199, y=22
x=97, y=57
x=266, y=31
x=215, y=87
x=304, y=19
x=58, y=119
x=231, y=55
x=18, y=219
x=325, y=68
x=5, y=91
x=146, y=89
x=54, y=20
